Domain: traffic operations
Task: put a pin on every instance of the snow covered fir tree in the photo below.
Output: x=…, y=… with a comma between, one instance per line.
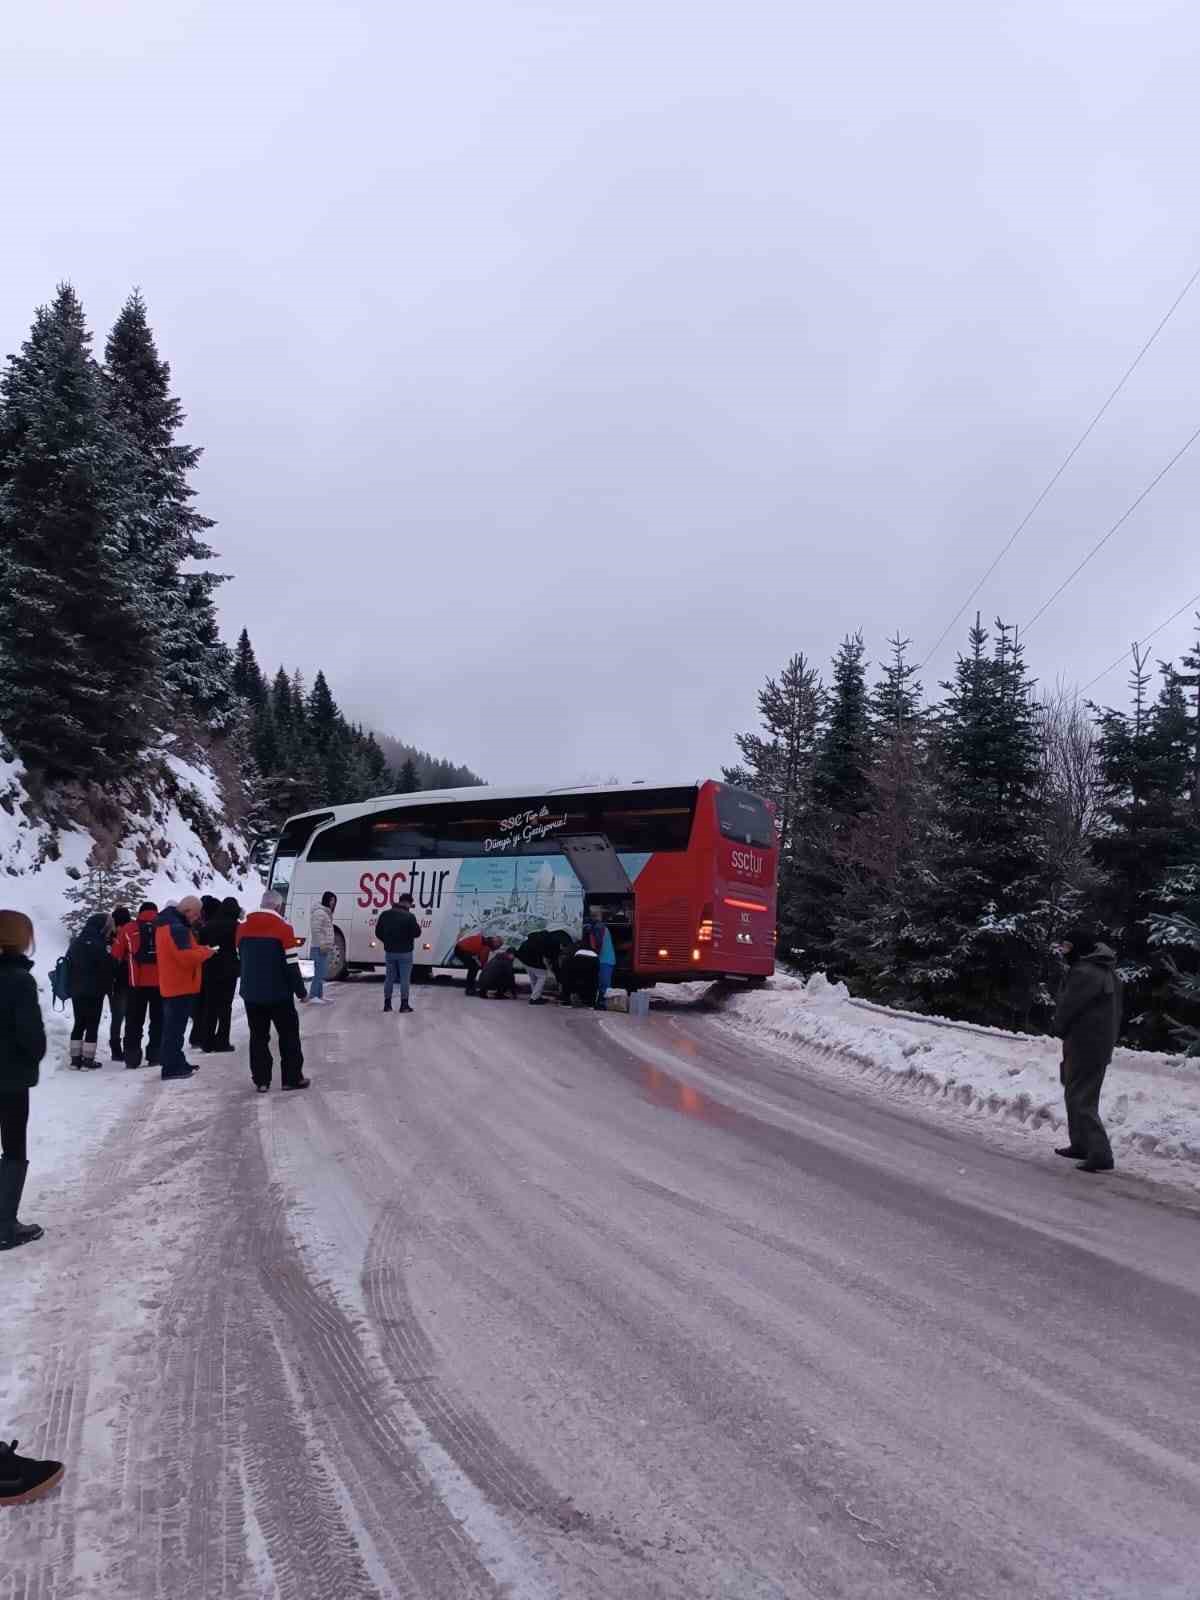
x=112, y=664
x=932, y=850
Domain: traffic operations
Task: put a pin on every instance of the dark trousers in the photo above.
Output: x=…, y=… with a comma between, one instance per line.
x=503, y=987
x=579, y=977
x=14, y=1119
x=287, y=1025
x=218, y=1013
x=176, y=1013
x=87, y=1017
x=118, y=1005
x=140, y=1002
x=472, y=966
x=200, y=1004
x=1081, y=1092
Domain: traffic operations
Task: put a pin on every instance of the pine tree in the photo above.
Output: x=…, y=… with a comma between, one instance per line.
x=897, y=698
x=78, y=638
x=407, y=781
x=248, y=681
x=976, y=942
x=169, y=531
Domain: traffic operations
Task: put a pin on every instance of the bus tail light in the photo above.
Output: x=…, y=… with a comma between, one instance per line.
x=705, y=933
x=695, y=955
x=663, y=954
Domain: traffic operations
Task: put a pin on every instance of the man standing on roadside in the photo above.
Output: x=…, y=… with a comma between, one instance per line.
x=136, y=948
x=271, y=985
x=180, y=962
x=398, y=931
x=1087, y=1020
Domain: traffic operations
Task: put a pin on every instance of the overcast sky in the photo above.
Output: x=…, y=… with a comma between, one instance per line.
x=562, y=367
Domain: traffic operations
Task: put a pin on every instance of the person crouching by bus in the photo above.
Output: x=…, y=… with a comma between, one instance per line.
x=578, y=976
x=498, y=977
x=271, y=985
x=22, y=1046
x=540, y=956
x=321, y=945
x=397, y=930
x=473, y=950
x=134, y=949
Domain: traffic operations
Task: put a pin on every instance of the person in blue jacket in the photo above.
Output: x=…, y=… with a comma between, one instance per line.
x=598, y=935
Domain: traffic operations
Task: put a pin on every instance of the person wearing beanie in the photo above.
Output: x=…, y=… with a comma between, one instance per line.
x=91, y=970
x=1087, y=1020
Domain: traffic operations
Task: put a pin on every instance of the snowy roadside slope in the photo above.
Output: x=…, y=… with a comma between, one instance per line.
x=1008, y=1081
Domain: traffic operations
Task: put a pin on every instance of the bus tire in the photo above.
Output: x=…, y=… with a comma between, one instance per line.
x=337, y=961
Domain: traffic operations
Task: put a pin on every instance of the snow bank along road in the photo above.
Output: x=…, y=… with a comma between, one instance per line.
x=534, y=1304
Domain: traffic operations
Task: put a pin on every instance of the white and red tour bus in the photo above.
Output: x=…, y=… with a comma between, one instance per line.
x=685, y=872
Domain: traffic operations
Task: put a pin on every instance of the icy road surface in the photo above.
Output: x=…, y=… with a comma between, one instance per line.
x=527, y=1303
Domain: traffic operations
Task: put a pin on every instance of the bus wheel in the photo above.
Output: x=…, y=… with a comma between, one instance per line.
x=337, y=961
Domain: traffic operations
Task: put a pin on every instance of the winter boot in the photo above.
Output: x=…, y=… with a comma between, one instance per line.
x=23, y=1479
x=387, y=1005
x=89, y=1056
x=77, y=1053
x=12, y=1184
x=1071, y=1153
x=404, y=1006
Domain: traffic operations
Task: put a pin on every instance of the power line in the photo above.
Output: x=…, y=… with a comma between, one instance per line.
x=1063, y=465
x=1152, y=634
x=1120, y=522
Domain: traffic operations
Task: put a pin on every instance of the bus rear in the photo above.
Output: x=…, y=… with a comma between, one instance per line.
x=710, y=911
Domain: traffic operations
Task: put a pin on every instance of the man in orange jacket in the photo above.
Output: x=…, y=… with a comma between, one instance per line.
x=474, y=950
x=180, y=960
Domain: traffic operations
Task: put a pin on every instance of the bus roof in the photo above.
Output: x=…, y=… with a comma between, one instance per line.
x=483, y=792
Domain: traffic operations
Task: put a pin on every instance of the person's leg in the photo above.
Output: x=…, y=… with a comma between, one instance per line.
x=177, y=1010
x=389, y=980
x=78, y=1022
x=404, y=966
x=14, y=1164
x=1083, y=1099
x=259, y=1018
x=588, y=974
x=316, y=989
x=603, y=978
x=93, y=1011
x=472, y=967
x=118, y=1005
x=14, y=1124
x=537, y=982
x=291, y=1055
x=154, y=1057
x=135, y=1021
x=221, y=1020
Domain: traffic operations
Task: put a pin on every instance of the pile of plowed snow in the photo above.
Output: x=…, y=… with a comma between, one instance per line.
x=1151, y=1102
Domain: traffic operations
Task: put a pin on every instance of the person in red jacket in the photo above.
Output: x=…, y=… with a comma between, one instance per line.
x=134, y=948
x=473, y=950
x=180, y=962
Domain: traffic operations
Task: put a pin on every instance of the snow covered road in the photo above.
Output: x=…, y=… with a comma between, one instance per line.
x=544, y=1304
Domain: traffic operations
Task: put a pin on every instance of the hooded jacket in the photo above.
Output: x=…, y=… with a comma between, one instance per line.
x=180, y=958
x=220, y=934
x=128, y=948
x=320, y=928
x=270, y=963
x=22, y=1035
x=1088, y=1015
x=92, y=968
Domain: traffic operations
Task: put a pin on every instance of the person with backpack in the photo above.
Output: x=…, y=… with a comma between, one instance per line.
x=321, y=945
x=22, y=1046
x=180, y=962
x=118, y=995
x=134, y=949
x=210, y=907
x=91, y=969
x=219, y=981
x=271, y=985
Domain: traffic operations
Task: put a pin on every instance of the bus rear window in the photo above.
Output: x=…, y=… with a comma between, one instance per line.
x=743, y=816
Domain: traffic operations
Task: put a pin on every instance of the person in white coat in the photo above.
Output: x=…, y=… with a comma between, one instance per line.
x=321, y=945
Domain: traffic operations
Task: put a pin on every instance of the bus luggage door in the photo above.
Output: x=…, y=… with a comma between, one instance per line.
x=606, y=884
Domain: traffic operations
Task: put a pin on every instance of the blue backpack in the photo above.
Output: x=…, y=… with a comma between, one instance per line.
x=60, y=982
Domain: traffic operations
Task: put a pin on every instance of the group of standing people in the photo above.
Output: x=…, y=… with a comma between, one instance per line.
x=159, y=977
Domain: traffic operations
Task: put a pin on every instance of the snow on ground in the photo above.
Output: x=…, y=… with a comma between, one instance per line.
x=1008, y=1082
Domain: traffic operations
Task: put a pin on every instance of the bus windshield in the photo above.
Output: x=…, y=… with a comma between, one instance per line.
x=292, y=840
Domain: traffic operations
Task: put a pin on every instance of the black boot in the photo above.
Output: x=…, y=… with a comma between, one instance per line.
x=1071, y=1153
x=12, y=1184
x=22, y=1478
x=387, y=1005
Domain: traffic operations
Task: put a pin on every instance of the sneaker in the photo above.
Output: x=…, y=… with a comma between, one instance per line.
x=18, y=1233
x=262, y=1088
x=387, y=1005
x=1071, y=1153
x=301, y=1083
x=22, y=1479
x=406, y=1006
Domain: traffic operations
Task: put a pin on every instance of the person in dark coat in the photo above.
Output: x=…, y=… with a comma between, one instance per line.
x=210, y=907
x=578, y=976
x=91, y=970
x=498, y=977
x=541, y=955
x=271, y=985
x=1088, y=1021
x=22, y=1046
x=397, y=930
x=220, y=976
x=118, y=995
